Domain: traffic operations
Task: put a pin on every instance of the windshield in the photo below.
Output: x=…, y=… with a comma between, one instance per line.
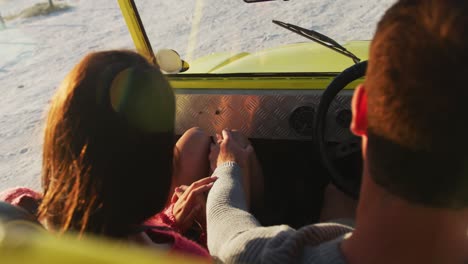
x=242, y=37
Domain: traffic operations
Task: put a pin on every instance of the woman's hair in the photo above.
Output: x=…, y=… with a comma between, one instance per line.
x=108, y=147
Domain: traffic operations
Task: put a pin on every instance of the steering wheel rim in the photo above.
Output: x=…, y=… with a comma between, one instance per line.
x=345, y=184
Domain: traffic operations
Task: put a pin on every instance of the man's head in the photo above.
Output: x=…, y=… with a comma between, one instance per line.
x=413, y=108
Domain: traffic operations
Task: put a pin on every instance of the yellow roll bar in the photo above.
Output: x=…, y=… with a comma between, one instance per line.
x=136, y=28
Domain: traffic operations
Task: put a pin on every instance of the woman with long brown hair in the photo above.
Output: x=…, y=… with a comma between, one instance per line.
x=108, y=156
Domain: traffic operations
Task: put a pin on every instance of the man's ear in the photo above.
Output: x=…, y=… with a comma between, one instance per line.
x=359, y=108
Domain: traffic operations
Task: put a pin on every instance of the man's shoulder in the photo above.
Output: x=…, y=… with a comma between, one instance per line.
x=318, y=242
x=327, y=252
x=323, y=232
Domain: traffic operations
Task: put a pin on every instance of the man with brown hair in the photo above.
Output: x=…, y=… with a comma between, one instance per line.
x=412, y=115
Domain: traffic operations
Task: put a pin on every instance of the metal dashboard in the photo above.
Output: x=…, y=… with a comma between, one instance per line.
x=264, y=114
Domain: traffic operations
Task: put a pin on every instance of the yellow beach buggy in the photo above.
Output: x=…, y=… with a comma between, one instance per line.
x=292, y=101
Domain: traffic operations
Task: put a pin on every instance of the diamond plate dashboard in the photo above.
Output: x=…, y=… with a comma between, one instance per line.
x=264, y=114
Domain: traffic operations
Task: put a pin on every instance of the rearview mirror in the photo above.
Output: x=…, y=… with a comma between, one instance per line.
x=169, y=61
x=257, y=1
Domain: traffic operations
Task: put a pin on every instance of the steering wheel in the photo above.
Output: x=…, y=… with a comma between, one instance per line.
x=347, y=184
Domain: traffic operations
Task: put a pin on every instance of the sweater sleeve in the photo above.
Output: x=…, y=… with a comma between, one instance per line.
x=235, y=236
x=164, y=218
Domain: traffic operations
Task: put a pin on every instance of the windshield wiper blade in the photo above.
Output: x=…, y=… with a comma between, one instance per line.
x=319, y=38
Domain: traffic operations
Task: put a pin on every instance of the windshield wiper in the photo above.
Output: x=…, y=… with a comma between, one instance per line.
x=319, y=38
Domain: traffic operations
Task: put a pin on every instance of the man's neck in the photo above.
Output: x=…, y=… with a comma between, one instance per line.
x=391, y=230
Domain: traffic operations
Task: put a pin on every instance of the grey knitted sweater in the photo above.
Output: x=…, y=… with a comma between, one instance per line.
x=235, y=236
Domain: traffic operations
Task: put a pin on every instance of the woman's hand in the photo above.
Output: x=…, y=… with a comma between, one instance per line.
x=190, y=203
